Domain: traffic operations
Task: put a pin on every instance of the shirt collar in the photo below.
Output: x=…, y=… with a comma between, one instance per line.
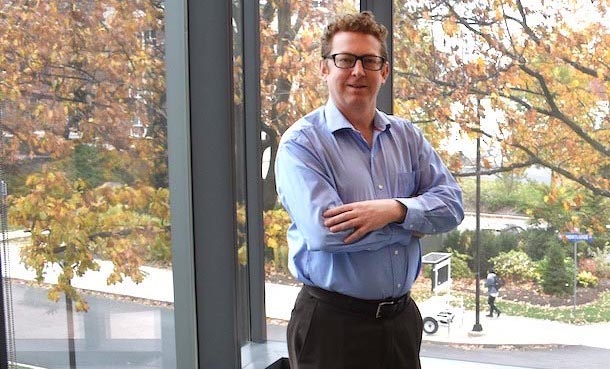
x=335, y=120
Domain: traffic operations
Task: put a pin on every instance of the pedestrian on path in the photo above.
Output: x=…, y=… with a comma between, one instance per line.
x=493, y=289
x=361, y=188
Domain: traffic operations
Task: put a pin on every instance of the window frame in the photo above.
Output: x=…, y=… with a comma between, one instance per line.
x=201, y=165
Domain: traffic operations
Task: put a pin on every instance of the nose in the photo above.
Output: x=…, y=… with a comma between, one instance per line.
x=358, y=68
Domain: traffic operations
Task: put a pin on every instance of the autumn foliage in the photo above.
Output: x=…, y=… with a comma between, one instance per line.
x=537, y=74
x=78, y=78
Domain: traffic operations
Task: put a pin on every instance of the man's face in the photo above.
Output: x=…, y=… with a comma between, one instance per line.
x=354, y=89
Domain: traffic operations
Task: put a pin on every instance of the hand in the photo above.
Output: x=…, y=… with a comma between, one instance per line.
x=363, y=217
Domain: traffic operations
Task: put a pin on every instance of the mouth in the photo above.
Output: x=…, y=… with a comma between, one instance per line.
x=357, y=86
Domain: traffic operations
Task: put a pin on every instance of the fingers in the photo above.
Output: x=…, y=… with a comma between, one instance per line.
x=336, y=211
x=343, y=218
x=337, y=218
x=355, y=236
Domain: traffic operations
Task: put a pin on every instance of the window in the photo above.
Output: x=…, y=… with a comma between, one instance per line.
x=87, y=248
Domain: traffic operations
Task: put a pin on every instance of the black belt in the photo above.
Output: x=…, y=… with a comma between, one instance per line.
x=378, y=309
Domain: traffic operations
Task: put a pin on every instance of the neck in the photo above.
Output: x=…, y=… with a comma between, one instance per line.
x=363, y=122
x=361, y=119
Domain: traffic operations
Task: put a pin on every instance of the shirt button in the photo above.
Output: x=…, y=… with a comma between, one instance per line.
x=398, y=285
x=395, y=252
x=380, y=187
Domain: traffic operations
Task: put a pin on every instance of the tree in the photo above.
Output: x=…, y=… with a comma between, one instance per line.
x=83, y=72
x=571, y=208
x=290, y=83
x=539, y=70
x=556, y=278
x=82, y=102
x=72, y=224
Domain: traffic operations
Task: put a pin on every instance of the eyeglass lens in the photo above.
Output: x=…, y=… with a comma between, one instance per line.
x=345, y=61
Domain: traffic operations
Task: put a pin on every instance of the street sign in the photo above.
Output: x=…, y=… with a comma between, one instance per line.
x=576, y=237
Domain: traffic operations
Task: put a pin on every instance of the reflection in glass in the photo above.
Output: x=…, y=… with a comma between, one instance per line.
x=84, y=154
x=290, y=88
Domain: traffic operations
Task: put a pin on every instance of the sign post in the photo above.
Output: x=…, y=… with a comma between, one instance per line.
x=574, y=238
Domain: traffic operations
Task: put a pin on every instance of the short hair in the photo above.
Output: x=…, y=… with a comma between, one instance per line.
x=363, y=22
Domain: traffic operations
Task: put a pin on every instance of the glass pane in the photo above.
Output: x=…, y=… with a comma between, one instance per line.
x=87, y=248
x=515, y=76
x=291, y=86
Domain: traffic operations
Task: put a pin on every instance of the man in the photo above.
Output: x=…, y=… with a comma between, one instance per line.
x=361, y=187
x=492, y=292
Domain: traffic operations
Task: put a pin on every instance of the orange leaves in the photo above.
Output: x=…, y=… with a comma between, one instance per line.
x=450, y=26
x=52, y=53
x=542, y=78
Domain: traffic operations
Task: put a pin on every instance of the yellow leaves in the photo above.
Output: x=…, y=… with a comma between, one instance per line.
x=480, y=64
x=78, y=220
x=54, y=295
x=498, y=14
x=81, y=305
x=450, y=26
x=574, y=83
x=272, y=242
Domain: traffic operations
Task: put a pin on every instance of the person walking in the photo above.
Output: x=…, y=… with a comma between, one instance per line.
x=493, y=289
x=361, y=188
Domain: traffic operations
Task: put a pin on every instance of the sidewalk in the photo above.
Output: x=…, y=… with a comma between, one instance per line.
x=502, y=331
x=158, y=284
x=505, y=330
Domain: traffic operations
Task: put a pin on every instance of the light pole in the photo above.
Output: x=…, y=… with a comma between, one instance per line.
x=477, y=325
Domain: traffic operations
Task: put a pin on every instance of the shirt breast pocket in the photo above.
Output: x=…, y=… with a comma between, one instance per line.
x=407, y=184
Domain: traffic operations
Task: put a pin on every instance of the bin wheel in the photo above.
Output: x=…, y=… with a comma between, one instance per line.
x=430, y=325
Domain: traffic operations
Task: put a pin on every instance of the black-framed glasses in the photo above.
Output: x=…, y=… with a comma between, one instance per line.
x=347, y=61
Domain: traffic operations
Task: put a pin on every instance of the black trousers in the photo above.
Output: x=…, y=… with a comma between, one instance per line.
x=327, y=336
x=491, y=301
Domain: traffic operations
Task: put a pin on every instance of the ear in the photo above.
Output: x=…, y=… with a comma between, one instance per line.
x=385, y=71
x=324, y=70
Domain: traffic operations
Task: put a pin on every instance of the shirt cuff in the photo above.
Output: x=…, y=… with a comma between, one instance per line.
x=415, y=213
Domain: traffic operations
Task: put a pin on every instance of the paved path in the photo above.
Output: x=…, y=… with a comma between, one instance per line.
x=506, y=330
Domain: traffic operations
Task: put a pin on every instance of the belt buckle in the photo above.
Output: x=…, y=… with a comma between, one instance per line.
x=381, y=305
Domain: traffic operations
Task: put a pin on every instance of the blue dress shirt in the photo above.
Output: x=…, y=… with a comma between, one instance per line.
x=323, y=162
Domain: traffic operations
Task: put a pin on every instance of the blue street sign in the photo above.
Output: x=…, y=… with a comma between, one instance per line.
x=575, y=237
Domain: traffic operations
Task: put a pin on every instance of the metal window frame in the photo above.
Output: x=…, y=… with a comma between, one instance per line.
x=254, y=205
x=200, y=141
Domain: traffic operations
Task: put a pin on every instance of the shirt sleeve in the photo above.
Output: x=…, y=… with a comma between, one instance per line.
x=306, y=190
x=436, y=206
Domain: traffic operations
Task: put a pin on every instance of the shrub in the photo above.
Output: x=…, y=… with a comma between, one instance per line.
x=535, y=242
x=587, y=265
x=587, y=279
x=514, y=265
x=451, y=240
x=276, y=224
x=556, y=276
x=459, y=265
x=601, y=258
